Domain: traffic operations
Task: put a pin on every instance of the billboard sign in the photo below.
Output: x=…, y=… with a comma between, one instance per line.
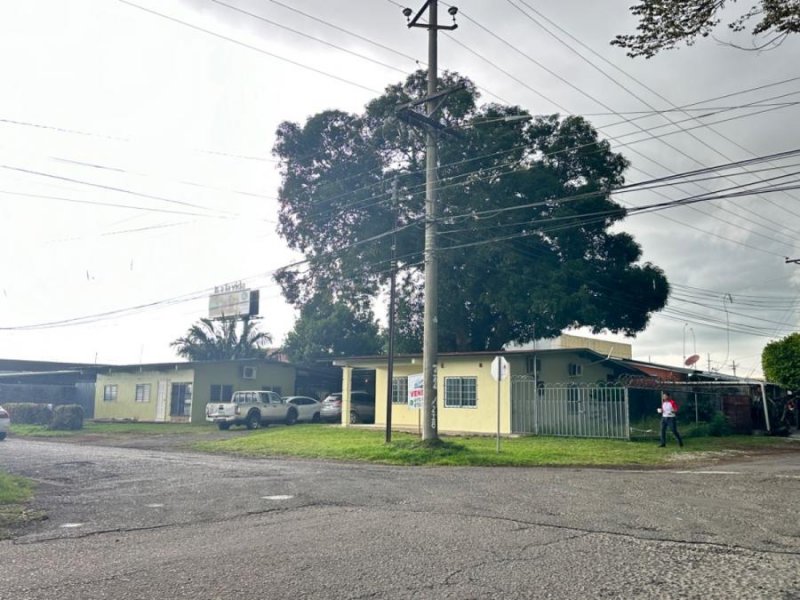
x=233, y=300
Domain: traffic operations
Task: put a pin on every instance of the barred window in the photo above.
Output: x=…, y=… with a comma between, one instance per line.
x=142, y=392
x=400, y=390
x=109, y=393
x=460, y=392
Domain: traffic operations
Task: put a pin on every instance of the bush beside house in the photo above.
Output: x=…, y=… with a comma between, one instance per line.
x=29, y=413
x=66, y=416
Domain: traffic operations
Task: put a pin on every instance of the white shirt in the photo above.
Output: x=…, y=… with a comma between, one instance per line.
x=666, y=409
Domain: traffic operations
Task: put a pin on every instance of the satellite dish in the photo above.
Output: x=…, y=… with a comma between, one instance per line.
x=691, y=360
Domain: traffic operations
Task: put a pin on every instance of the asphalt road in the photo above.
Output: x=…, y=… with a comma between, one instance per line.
x=140, y=524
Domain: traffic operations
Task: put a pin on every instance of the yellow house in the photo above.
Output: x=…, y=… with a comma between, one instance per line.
x=467, y=394
x=178, y=392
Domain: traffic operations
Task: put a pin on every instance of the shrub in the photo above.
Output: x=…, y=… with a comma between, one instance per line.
x=67, y=416
x=28, y=413
x=719, y=425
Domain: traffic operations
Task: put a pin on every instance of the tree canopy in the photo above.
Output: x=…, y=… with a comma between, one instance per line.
x=664, y=24
x=525, y=210
x=780, y=361
x=327, y=329
x=222, y=340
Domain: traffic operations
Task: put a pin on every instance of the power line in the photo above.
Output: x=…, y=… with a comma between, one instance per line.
x=251, y=47
x=605, y=74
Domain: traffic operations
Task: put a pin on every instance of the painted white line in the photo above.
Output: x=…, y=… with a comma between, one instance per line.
x=279, y=497
x=154, y=505
x=70, y=525
x=708, y=472
x=788, y=476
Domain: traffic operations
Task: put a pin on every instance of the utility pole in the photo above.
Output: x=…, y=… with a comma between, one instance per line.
x=430, y=317
x=392, y=277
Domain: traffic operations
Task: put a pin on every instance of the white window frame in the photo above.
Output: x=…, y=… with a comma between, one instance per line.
x=574, y=369
x=455, y=386
x=400, y=390
x=144, y=388
x=110, y=392
x=529, y=364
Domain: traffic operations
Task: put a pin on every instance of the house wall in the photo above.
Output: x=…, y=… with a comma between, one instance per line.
x=483, y=417
x=277, y=376
x=555, y=368
x=125, y=406
x=272, y=376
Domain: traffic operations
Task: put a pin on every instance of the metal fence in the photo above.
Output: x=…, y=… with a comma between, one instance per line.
x=574, y=410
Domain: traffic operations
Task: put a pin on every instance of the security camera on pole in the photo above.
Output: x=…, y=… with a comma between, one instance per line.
x=430, y=327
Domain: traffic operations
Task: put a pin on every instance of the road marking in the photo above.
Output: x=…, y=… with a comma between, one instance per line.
x=154, y=505
x=708, y=472
x=279, y=497
x=70, y=525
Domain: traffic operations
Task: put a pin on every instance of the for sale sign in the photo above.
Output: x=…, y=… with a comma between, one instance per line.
x=416, y=390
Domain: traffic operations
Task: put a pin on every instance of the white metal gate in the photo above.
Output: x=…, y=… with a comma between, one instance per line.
x=574, y=410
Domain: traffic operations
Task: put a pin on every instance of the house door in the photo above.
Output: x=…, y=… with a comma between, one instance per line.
x=161, y=402
x=181, y=400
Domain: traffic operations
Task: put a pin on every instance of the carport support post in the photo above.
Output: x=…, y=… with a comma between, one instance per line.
x=347, y=384
x=499, y=380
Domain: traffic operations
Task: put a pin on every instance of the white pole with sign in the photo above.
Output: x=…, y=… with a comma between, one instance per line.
x=499, y=372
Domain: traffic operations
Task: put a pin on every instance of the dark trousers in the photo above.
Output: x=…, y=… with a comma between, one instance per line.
x=672, y=424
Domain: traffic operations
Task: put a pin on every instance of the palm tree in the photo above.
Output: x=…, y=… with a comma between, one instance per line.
x=220, y=340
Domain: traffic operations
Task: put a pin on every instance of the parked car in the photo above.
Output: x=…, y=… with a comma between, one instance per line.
x=5, y=423
x=308, y=409
x=362, y=407
x=251, y=408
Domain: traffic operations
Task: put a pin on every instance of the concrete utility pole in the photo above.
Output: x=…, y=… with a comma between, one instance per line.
x=430, y=326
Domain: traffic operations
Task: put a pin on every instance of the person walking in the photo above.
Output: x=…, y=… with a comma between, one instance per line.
x=668, y=411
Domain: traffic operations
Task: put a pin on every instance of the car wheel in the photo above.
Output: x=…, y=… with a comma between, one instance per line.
x=224, y=426
x=315, y=418
x=2, y=435
x=354, y=418
x=291, y=417
x=254, y=420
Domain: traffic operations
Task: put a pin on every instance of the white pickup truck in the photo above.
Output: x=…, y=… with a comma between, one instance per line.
x=252, y=409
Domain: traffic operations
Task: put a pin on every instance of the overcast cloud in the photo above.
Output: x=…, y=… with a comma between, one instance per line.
x=137, y=169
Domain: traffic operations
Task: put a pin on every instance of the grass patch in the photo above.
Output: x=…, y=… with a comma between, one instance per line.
x=14, y=493
x=333, y=442
x=14, y=490
x=111, y=429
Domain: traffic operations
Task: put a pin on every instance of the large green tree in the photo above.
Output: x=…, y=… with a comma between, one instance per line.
x=525, y=211
x=664, y=24
x=780, y=361
x=327, y=329
x=222, y=340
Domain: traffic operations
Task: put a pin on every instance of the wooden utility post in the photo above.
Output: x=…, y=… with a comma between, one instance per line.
x=392, y=278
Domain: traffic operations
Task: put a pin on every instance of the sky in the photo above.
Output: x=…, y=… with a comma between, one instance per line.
x=136, y=166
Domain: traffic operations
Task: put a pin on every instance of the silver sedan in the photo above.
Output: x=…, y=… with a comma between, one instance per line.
x=308, y=409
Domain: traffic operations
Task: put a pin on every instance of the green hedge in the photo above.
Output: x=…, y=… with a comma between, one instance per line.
x=67, y=416
x=28, y=413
